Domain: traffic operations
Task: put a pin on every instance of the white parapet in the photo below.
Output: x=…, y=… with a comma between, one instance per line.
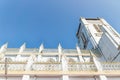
x=59, y=51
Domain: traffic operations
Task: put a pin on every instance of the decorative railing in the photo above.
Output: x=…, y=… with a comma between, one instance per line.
x=35, y=67
x=2, y=66
x=16, y=66
x=110, y=66
x=47, y=67
x=56, y=66
x=81, y=67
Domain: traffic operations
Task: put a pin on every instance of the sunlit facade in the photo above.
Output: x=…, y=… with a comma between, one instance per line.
x=86, y=62
x=96, y=33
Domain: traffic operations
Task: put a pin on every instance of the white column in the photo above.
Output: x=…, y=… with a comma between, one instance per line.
x=79, y=52
x=59, y=48
x=65, y=68
x=29, y=63
x=39, y=57
x=64, y=64
x=97, y=64
x=59, y=51
x=41, y=48
x=99, y=68
x=28, y=67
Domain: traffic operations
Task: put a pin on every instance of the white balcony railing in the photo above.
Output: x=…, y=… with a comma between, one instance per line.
x=16, y=67
x=46, y=67
x=111, y=66
x=20, y=66
x=81, y=67
x=2, y=66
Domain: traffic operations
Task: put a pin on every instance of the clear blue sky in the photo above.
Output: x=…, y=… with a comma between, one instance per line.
x=51, y=21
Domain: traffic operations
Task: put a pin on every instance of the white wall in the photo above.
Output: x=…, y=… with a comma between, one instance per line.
x=32, y=78
x=46, y=78
x=11, y=78
x=84, y=78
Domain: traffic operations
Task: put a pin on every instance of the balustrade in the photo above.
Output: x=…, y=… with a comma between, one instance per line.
x=111, y=66
x=16, y=67
x=81, y=67
x=2, y=66
x=20, y=66
x=46, y=67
